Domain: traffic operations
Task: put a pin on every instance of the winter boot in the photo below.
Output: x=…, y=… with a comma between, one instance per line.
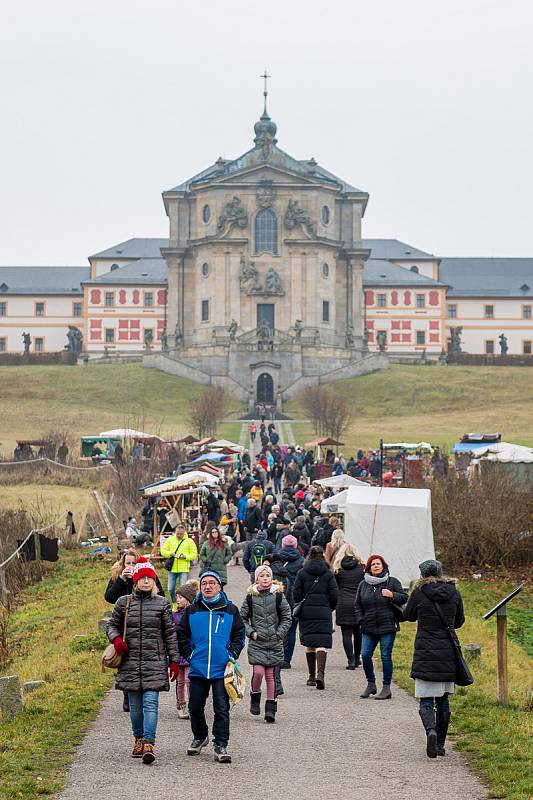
x=311, y=663
x=427, y=715
x=182, y=711
x=148, y=753
x=443, y=720
x=255, y=703
x=385, y=693
x=279, y=685
x=137, y=751
x=321, y=657
x=270, y=710
x=370, y=689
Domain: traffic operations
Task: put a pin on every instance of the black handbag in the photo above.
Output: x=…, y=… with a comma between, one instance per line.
x=297, y=610
x=397, y=610
x=169, y=562
x=463, y=676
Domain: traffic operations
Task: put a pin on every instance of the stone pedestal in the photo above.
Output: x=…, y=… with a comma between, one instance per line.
x=11, y=700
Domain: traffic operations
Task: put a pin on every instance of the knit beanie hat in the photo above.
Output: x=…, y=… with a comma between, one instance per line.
x=430, y=567
x=372, y=558
x=212, y=574
x=289, y=541
x=263, y=568
x=189, y=590
x=143, y=569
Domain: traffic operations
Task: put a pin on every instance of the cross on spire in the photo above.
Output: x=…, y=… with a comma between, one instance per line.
x=265, y=77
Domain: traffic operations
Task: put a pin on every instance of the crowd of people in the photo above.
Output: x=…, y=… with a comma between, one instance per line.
x=305, y=578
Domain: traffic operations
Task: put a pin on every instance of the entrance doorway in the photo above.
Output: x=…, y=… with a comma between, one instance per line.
x=265, y=388
x=265, y=311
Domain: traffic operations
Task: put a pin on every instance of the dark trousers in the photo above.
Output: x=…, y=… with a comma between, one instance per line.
x=198, y=694
x=351, y=641
x=291, y=642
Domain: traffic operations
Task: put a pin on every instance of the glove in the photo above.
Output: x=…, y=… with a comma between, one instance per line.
x=121, y=648
x=173, y=670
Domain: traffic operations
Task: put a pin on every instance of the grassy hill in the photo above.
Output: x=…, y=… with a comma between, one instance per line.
x=435, y=404
x=88, y=399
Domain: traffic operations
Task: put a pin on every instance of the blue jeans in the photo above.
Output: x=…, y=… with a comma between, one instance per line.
x=369, y=643
x=174, y=578
x=277, y=484
x=143, y=714
x=440, y=703
x=291, y=642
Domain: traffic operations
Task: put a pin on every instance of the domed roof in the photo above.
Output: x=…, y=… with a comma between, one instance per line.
x=265, y=125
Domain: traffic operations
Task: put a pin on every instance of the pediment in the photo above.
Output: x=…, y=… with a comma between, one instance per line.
x=279, y=176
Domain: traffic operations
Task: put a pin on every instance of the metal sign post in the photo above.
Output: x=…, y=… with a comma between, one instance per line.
x=500, y=609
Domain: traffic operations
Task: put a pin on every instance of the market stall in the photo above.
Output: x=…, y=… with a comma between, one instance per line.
x=98, y=449
x=321, y=447
x=511, y=461
x=396, y=523
x=409, y=462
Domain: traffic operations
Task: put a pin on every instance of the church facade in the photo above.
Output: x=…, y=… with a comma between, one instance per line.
x=265, y=275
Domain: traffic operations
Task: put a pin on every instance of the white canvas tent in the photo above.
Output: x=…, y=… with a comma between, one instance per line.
x=393, y=523
x=505, y=453
x=338, y=482
x=129, y=433
x=336, y=504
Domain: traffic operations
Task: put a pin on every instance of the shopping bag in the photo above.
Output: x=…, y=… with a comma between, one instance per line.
x=234, y=681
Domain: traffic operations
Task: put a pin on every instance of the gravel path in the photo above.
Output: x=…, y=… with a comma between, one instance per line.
x=323, y=743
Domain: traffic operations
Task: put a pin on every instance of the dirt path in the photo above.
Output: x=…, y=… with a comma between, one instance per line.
x=323, y=743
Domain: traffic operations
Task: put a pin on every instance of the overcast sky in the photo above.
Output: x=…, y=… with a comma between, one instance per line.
x=426, y=106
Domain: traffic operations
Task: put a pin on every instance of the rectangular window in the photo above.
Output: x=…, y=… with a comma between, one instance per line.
x=325, y=310
x=110, y=298
x=205, y=310
x=489, y=347
x=148, y=299
x=526, y=312
x=421, y=301
x=489, y=312
x=76, y=309
x=420, y=337
x=39, y=309
x=109, y=335
x=452, y=311
x=3, y=344
x=39, y=344
x=382, y=301
x=3, y=309
x=526, y=347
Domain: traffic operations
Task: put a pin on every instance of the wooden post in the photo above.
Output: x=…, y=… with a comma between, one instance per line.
x=3, y=588
x=38, y=556
x=501, y=645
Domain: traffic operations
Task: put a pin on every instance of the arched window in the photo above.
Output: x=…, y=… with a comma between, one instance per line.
x=414, y=269
x=266, y=232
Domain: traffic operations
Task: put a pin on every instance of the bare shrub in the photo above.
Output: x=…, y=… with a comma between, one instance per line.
x=485, y=524
x=328, y=411
x=207, y=411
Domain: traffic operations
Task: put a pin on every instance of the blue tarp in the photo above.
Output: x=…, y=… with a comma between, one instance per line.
x=468, y=447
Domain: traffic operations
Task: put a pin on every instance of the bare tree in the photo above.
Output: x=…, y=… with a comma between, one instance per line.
x=207, y=411
x=329, y=412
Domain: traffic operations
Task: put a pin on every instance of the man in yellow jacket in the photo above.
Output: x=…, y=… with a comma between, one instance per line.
x=183, y=548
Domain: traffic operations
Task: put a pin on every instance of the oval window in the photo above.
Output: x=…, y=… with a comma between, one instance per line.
x=325, y=270
x=206, y=214
x=325, y=215
x=205, y=269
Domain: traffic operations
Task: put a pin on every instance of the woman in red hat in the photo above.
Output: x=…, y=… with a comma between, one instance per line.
x=149, y=653
x=377, y=610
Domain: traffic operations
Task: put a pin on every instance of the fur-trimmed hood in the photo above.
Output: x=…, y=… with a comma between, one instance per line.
x=439, y=590
x=277, y=586
x=433, y=579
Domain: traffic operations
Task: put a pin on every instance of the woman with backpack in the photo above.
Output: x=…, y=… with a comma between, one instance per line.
x=378, y=611
x=433, y=604
x=216, y=553
x=316, y=586
x=267, y=616
x=293, y=561
x=255, y=552
x=349, y=569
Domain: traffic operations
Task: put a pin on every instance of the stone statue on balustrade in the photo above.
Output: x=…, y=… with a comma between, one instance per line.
x=504, y=345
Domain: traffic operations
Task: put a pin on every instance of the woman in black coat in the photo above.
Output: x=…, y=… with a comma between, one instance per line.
x=377, y=610
x=316, y=583
x=349, y=569
x=434, y=664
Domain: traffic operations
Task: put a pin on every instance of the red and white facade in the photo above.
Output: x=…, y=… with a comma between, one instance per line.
x=117, y=317
x=413, y=319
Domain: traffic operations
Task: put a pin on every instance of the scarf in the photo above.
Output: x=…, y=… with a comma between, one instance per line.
x=212, y=600
x=375, y=580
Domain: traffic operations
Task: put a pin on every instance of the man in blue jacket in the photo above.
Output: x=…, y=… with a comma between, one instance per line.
x=210, y=632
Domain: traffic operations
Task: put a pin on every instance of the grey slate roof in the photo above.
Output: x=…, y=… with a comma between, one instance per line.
x=142, y=271
x=378, y=272
x=42, y=280
x=134, y=248
x=485, y=277
x=395, y=249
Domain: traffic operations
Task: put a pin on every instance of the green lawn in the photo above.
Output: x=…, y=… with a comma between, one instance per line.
x=435, y=404
x=88, y=399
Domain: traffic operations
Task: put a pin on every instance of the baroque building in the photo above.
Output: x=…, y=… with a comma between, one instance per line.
x=265, y=275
